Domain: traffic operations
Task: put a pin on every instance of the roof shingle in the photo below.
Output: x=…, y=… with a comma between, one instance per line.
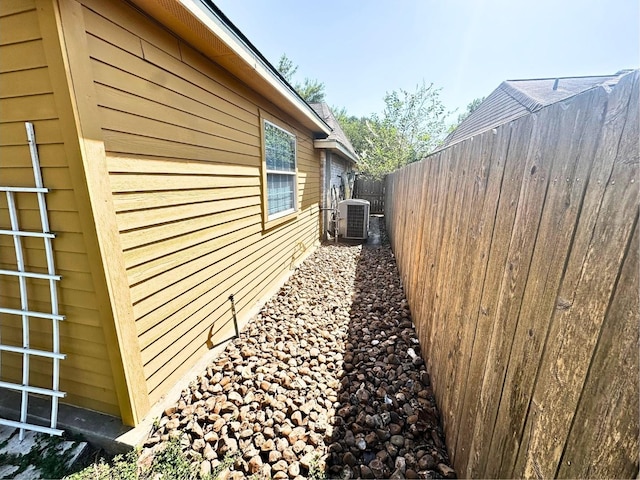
x=337, y=134
x=516, y=98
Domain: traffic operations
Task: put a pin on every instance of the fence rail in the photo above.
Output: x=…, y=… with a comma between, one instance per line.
x=518, y=251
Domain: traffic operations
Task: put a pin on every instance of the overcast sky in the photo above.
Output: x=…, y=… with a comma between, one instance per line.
x=361, y=49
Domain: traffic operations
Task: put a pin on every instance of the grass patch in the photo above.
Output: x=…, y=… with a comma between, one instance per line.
x=317, y=469
x=168, y=464
x=227, y=462
x=122, y=467
x=46, y=455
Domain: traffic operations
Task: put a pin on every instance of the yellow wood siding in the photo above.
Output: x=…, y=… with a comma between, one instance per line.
x=27, y=94
x=183, y=147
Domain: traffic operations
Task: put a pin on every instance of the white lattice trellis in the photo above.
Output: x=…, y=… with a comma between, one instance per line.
x=22, y=274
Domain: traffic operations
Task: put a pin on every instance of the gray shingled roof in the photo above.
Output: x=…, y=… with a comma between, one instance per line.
x=516, y=98
x=337, y=134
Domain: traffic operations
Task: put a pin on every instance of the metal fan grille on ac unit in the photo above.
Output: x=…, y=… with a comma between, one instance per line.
x=355, y=221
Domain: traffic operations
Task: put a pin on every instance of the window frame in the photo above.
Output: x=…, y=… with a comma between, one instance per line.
x=270, y=221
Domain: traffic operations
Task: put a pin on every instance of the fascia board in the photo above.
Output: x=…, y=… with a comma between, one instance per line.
x=335, y=146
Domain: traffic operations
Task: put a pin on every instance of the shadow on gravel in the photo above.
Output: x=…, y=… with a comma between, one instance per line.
x=386, y=423
x=326, y=381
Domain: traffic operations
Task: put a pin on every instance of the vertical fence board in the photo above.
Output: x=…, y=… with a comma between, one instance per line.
x=423, y=236
x=505, y=218
x=426, y=311
x=602, y=440
x=390, y=192
x=424, y=259
x=400, y=220
x=456, y=278
x=443, y=293
x=413, y=222
x=471, y=306
x=576, y=326
x=466, y=276
x=511, y=249
x=535, y=175
x=442, y=251
x=566, y=189
x=423, y=193
x=373, y=190
x=406, y=216
x=435, y=234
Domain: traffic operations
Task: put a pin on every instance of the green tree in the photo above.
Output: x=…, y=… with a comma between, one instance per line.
x=286, y=68
x=355, y=128
x=471, y=107
x=311, y=90
x=410, y=127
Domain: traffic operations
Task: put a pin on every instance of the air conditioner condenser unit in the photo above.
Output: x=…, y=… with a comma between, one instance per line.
x=353, y=219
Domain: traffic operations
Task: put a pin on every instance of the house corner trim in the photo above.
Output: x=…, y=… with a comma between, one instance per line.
x=84, y=147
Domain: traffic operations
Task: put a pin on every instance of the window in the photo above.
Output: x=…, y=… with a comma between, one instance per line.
x=280, y=168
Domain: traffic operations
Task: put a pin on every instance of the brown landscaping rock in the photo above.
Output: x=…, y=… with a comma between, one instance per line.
x=266, y=445
x=328, y=374
x=427, y=462
x=172, y=424
x=205, y=469
x=255, y=464
x=274, y=456
x=289, y=455
x=294, y=469
x=446, y=470
x=280, y=466
x=365, y=472
x=397, y=440
x=209, y=453
x=377, y=468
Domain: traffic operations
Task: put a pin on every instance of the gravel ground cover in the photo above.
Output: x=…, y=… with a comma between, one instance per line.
x=326, y=382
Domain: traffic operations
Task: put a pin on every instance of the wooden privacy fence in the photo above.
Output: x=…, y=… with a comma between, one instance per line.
x=371, y=189
x=518, y=251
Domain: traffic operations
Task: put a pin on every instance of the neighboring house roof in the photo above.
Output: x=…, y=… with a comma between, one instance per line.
x=202, y=24
x=337, y=139
x=516, y=98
